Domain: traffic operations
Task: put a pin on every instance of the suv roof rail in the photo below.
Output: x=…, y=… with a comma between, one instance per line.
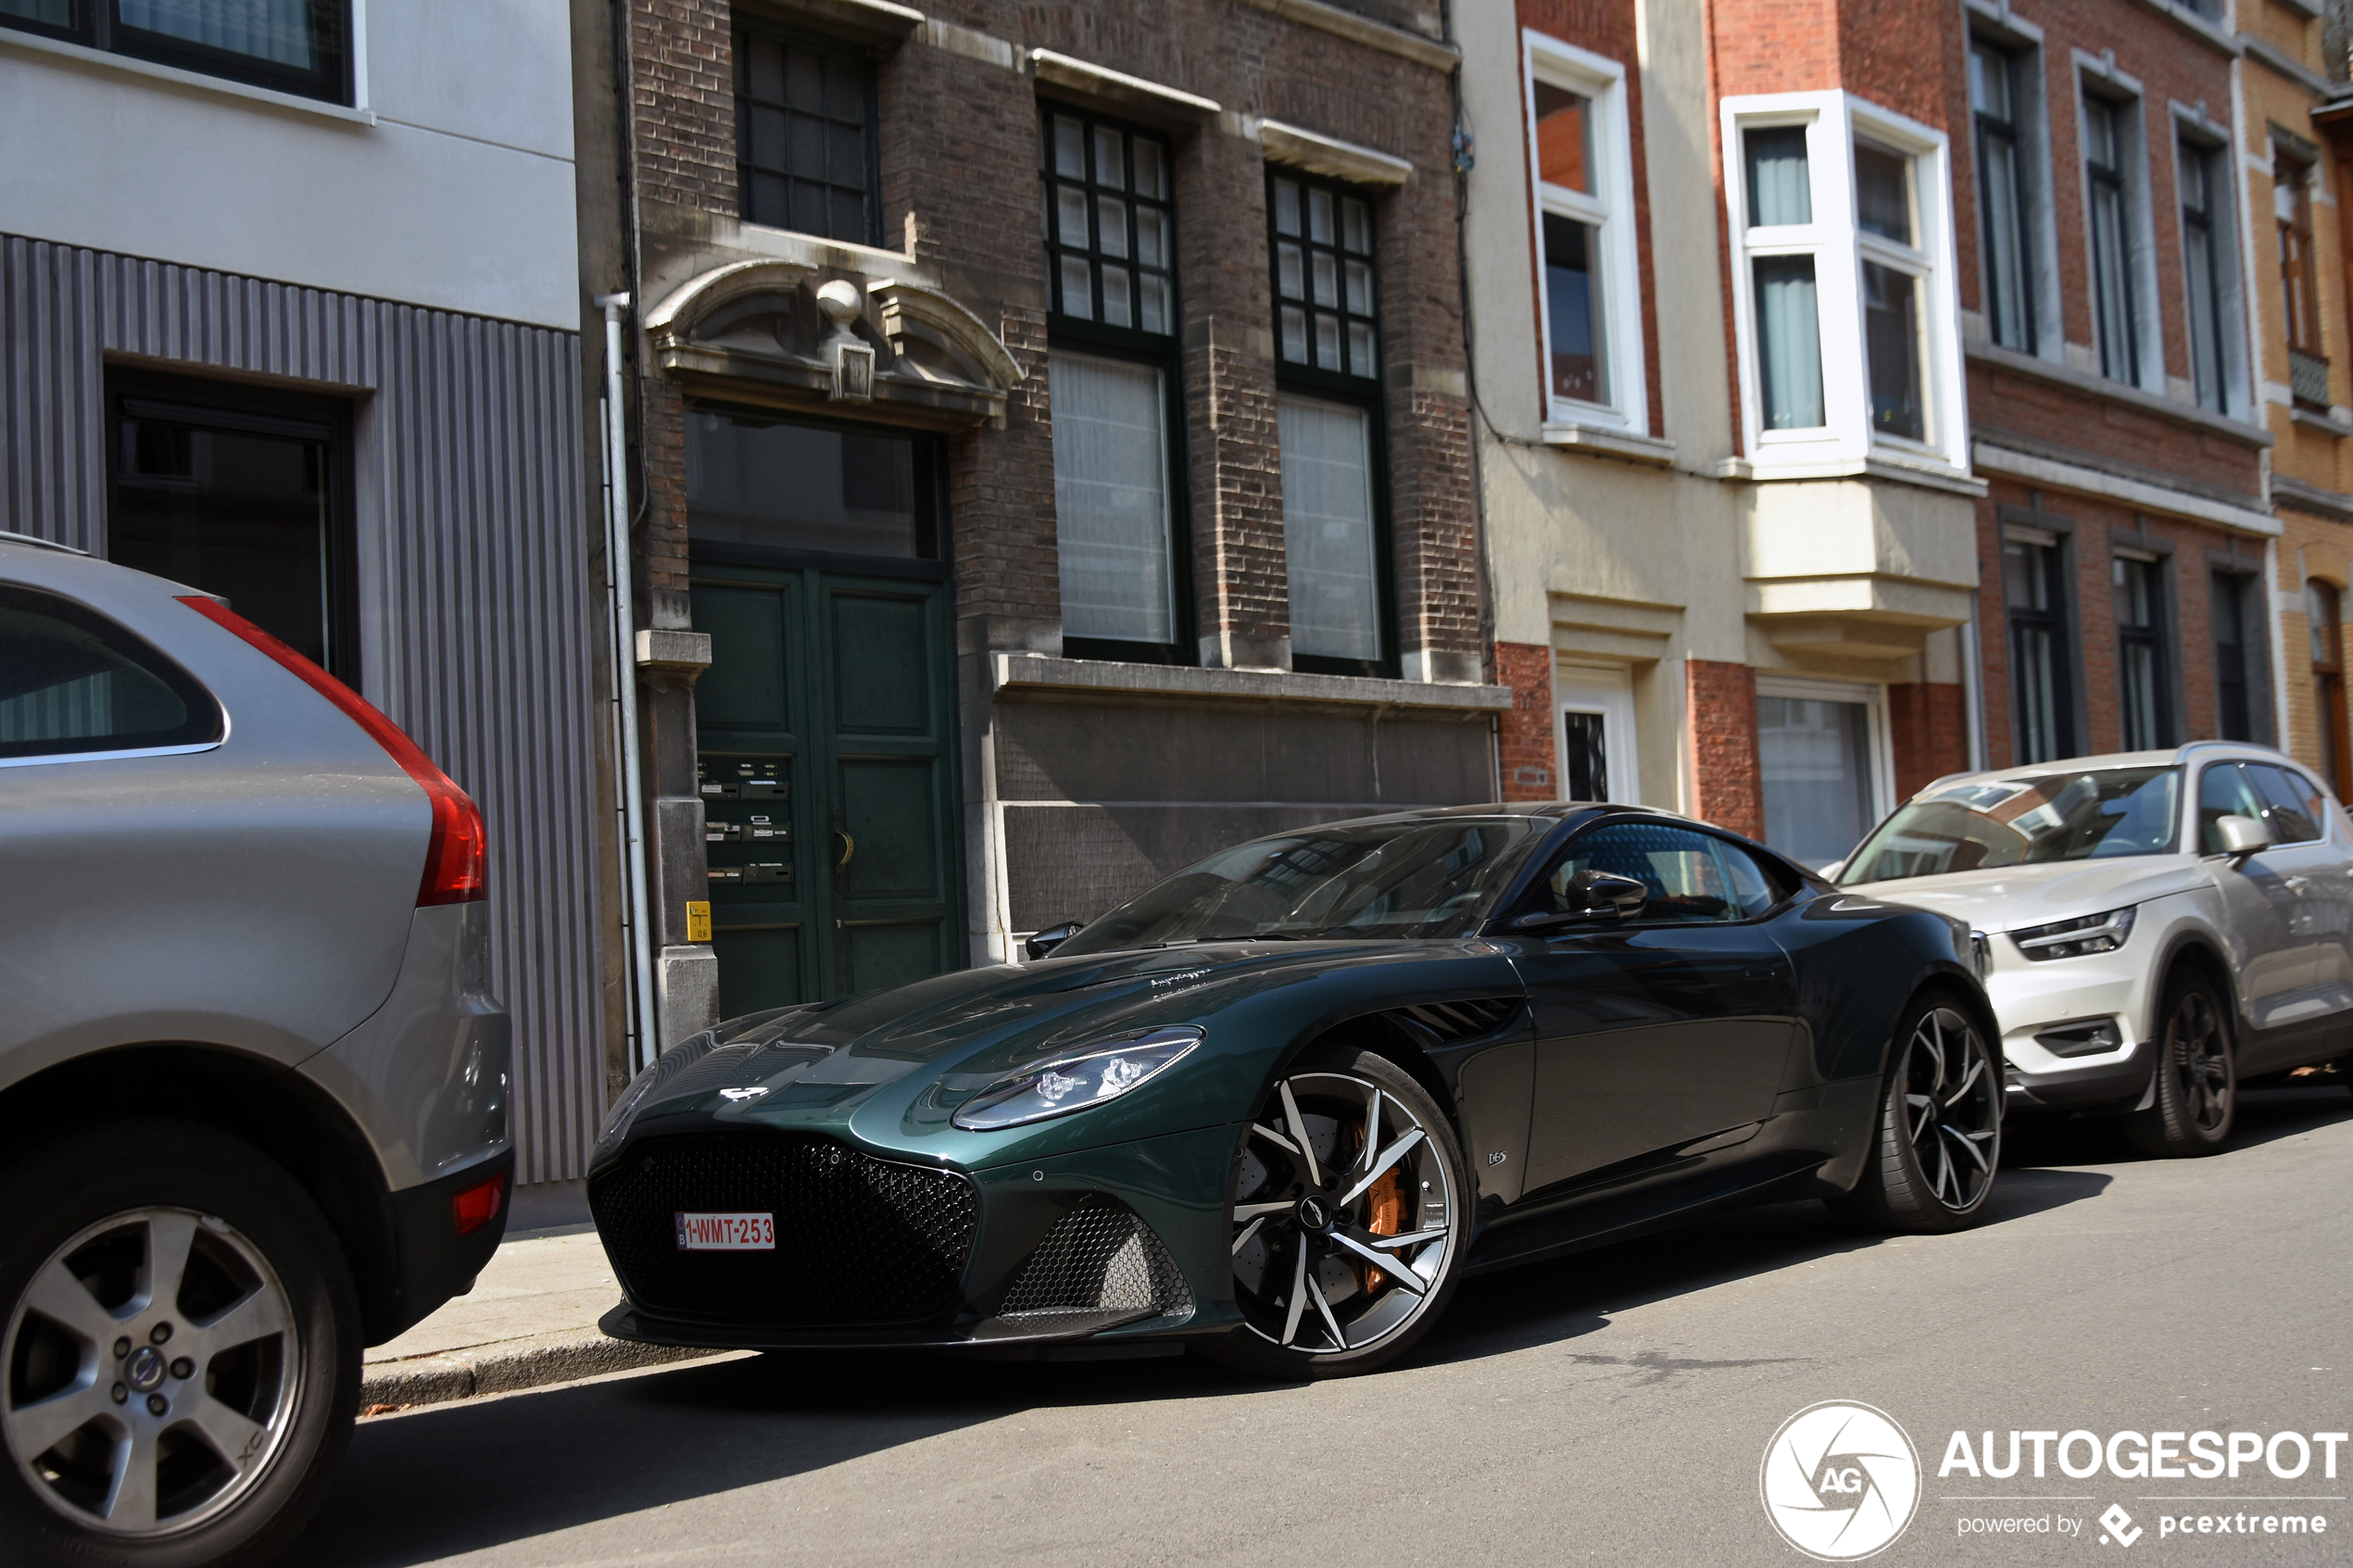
x=6, y=537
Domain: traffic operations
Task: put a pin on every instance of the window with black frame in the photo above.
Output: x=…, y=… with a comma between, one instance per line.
x=1328, y=407
x=2002, y=195
x=242, y=495
x=2034, y=595
x=2143, y=677
x=2205, y=265
x=2229, y=612
x=297, y=46
x=805, y=150
x=1113, y=374
x=2107, y=127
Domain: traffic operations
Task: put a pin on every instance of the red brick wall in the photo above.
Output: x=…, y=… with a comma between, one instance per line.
x=1928, y=724
x=2188, y=641
x=1727, y=778
x=1524, y=736
x=2001, y=403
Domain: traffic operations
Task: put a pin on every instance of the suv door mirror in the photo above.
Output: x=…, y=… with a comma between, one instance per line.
x=1054, y=937
x=2241, y=836
x=1590, y=896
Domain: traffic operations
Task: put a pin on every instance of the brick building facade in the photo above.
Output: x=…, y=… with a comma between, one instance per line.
x=971, y=346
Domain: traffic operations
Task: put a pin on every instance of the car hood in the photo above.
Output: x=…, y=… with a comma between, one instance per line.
x=888, y=1068
x=2008, y=897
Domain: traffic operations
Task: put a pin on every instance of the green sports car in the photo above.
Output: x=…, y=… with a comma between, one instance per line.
x=1277, y=1106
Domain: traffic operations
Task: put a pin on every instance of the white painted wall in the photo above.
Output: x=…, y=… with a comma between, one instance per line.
x=459, y=194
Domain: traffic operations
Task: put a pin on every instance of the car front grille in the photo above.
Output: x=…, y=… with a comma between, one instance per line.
x=859, y=1240
x=1098, y=1258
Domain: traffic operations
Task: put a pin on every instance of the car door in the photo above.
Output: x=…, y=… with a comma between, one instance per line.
x=1660, y=1030
x=2264, y=916
x=2313, y=871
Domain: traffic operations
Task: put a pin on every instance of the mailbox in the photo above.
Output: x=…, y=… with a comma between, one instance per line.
x=748, y=831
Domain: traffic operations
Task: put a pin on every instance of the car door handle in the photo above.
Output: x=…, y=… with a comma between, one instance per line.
x=2297, y=883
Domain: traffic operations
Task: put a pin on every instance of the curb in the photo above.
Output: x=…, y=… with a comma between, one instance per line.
x=507, y=1366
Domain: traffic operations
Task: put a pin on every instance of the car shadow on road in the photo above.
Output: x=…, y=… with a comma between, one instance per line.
x=466, y=1477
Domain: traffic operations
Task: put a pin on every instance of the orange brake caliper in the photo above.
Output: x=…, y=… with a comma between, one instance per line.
x=1387, y=1217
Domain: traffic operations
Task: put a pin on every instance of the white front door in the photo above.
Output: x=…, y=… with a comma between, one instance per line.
x=1597, y=752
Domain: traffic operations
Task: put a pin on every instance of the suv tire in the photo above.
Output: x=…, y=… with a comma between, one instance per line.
x=255, y=1347
x=2197, y=1089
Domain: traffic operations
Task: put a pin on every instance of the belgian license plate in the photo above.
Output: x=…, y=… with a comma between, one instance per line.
x=726, y=1233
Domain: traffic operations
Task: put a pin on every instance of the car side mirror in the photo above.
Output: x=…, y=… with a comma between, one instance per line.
x=1054, y=937
x=1592, y=896
x=2242, y=837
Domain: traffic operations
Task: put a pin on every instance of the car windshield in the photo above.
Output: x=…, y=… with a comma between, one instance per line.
x=1981, y=824
x=1398, y=878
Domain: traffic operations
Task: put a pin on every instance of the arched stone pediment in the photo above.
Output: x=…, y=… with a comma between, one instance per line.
x=778, y=331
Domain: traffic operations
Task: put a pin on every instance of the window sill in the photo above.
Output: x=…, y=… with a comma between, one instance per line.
x=1038, y=675
x=127, y=66
x=2312, y=419
x=1929, y=476
x=1981, y=352
x=1603, y=440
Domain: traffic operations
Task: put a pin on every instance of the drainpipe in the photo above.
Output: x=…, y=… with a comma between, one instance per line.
x=620, y=597
x=1973, y=688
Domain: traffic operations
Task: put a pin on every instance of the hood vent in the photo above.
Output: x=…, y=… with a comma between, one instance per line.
x=1455, y=1022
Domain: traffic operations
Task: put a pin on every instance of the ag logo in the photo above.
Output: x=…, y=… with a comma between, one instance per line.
x=1840, y=1481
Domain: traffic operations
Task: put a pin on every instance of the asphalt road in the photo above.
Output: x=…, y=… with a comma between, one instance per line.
x=1613, y=1407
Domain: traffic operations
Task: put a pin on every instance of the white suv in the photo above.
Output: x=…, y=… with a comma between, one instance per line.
x=2190, y=908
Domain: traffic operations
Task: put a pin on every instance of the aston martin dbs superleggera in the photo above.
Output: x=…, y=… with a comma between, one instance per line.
x=1279, y=1105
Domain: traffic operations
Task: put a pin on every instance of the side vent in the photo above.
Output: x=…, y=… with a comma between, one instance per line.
x=1454, y=1022
x=1098, y=1265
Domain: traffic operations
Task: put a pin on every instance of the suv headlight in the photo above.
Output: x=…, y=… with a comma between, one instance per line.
x=2074, y=938
x=1089, y=1076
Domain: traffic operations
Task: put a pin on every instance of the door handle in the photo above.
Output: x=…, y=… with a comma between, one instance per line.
x=848, y=847
x=2298, y=883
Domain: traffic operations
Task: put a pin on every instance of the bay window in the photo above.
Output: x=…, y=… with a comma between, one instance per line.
x=1589, y=302
x=1843, y=291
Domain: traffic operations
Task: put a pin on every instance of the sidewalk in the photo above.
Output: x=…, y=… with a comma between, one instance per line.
x=530, y=1319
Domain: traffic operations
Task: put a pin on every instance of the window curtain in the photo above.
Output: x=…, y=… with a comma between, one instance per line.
x=278, y=31
x=1327, y=529
x=1111, y=499
x=1815, y=766
x=1789, y=340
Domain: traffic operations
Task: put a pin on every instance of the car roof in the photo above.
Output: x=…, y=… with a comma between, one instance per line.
x=2209, y=750
x=27, y=541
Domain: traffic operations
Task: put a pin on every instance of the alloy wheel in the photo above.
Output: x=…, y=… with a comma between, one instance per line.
x=1344, y=1215
x=152, y=1369
x=2199, y=1059
x=1952, y=1107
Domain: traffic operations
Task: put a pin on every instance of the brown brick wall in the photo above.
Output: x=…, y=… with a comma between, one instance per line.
x=1727, y=777
x=1928, y=724
x=959, y=171
x=1524, y=736
x=2188, y=641
x=2004, y=403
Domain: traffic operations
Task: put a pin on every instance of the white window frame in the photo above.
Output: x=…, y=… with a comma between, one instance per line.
x=1845, y=443
x=1610, y=210
x=1607, y=690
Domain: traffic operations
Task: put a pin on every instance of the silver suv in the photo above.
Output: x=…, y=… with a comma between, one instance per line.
x=253, y=1086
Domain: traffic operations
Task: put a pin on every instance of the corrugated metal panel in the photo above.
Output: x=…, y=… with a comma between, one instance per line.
x=468, y=434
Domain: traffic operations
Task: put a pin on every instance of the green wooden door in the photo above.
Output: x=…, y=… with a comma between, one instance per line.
x=825, y=734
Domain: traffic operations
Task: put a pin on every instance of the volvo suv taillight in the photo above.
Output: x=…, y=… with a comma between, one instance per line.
x=455, y=856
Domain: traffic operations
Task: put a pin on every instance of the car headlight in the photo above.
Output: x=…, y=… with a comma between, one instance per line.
x=666, y=1066
x=1103, y=1071
x=2074, y=938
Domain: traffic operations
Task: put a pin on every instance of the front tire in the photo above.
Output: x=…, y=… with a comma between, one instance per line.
x=179, y=1354
x=1350, y=1210
x=2196, y=1099
x=1938, y=1141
